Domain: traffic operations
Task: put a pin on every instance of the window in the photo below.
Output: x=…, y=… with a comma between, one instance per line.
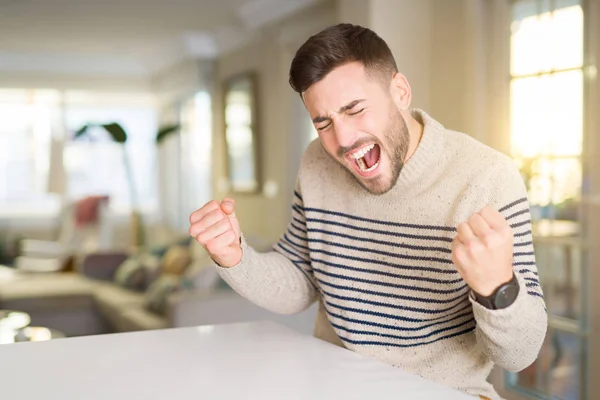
x=546, y=86
x=97, y=167
x=547, y=103
x=28, y=119
x=32, y=118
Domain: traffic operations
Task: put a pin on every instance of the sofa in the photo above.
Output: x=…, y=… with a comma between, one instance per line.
x=89, y=301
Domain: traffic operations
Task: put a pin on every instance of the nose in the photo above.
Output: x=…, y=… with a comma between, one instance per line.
x=345, y=133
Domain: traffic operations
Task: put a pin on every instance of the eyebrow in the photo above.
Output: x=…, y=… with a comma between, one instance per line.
x=349, y=106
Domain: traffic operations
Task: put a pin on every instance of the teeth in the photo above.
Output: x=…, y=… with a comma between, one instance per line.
x=373, y=167
x=361, y=153
x=363, y=167
x=361, y=164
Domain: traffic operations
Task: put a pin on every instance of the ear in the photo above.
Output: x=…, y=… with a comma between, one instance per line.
x=400, y=91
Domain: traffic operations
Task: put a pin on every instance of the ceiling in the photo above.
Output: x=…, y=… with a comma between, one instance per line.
x=126, y=37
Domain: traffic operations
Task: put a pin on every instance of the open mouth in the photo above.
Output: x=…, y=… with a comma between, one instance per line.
x=366, y=159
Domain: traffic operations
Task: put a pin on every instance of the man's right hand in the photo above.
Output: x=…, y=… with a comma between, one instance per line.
x=217, y=229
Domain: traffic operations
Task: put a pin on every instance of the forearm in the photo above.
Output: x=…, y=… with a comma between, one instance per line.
x=512, y=337
x=271, y=281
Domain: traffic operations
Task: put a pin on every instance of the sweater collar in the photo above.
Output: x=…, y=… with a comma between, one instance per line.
x=428, y=152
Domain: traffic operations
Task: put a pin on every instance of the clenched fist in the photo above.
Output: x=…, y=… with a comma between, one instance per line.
x=217, y=229
x=483, y=251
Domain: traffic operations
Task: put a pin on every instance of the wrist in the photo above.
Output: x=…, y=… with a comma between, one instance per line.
x=501, y=297
x=230, y=260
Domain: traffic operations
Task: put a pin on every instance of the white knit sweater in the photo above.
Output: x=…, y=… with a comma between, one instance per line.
x=381, y=268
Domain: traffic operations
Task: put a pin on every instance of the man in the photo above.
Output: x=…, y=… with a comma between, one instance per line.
x=415, y=240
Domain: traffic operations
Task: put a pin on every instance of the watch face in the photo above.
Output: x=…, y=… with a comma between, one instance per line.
x=506, y=296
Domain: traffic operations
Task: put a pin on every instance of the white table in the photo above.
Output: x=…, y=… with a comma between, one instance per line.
x=239, y=361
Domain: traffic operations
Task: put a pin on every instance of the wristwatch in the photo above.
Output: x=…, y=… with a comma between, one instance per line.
x=502, y=297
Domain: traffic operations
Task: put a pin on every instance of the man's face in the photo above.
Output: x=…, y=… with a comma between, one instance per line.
x=359, y=126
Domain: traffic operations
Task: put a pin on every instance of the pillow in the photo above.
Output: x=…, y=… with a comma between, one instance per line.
x=131, y=274
x=176, y=260
x=152, y=267
x=159, y=291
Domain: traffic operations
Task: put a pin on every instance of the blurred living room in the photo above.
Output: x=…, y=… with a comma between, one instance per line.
x=119, y=118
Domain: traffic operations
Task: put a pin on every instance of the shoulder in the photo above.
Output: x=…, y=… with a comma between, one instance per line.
x=478, y=159
x=490, y=176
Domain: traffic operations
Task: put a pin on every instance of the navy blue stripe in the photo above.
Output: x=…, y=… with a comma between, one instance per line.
x=532, y=284
x=298, y=248
x=298, y=245
x=449, y=271
x=518, y=224
x=298, y=221
x=389, y=274
x=382, y=242
x=373, y=343
x=280, y=244
x=514, y=203
x=373, y=261
x=298, y=228
x=298, y=196
x=469, y=313
x=298, y=209
x=524, y=211
x=398, y=307
x=381, y=252
x=524, y=271
x=526, y=233
x=380, y=232
x=393, y=295
x=535, y=280
x=380, y=222
x=535, y=294
x=529, y=253
x=523, y=244
x=387, y=335
x=523, y=263
x=387, y=284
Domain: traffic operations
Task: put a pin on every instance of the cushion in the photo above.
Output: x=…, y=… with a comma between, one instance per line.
x=131, y=274
x=176, y=260
x=158, y=293
x=138, y=271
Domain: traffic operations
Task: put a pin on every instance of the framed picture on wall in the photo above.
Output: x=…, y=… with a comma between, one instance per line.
x=241, y=132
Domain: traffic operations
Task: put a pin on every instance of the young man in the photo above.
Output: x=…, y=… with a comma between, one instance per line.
x=415, y=240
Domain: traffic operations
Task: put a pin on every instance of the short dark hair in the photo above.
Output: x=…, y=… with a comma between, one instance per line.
x=338, y=45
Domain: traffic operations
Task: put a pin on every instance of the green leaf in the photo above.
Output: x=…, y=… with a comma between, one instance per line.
x=166, y=131
x=116, y=131
x=81, y=132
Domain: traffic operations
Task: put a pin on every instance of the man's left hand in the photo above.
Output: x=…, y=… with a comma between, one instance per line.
x=483, y=251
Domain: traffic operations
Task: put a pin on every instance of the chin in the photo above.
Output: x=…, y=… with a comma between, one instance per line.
x=376, y=186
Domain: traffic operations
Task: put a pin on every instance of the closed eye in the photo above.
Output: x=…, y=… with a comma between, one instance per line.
x=357, y=112
x=321, y=128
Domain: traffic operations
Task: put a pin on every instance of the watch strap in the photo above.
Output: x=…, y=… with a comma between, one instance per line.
x=489, y=302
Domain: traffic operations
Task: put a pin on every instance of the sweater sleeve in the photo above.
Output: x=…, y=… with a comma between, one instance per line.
x=512, y=337
x=282, y=279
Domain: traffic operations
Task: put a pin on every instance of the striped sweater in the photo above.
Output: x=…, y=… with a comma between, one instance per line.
x=381, y=269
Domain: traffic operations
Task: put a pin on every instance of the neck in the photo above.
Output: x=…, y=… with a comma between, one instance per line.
x=415, y=133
